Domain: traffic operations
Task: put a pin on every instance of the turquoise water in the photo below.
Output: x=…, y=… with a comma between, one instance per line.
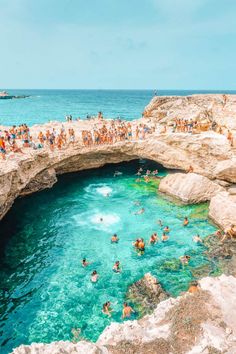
x=45, y=292
x=45, y=105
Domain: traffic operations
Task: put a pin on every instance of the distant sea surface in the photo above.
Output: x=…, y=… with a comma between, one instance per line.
x=47, y=105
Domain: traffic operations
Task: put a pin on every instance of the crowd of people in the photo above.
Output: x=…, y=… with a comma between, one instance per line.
x=101, y=132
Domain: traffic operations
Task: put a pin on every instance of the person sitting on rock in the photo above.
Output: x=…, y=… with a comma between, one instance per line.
x=230, y=232
x=190, y=169
x=127, y=310
x=194, y=287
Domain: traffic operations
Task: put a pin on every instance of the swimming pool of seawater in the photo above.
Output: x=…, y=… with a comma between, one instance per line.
x=45, y=292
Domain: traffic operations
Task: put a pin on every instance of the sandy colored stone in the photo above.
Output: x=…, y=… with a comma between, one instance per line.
x=189, y=188
x=222, y=209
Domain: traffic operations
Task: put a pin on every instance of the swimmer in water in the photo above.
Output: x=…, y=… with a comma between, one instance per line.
x=155, y=172
x=184, y=259
x=115, y=239
x=141, y=247
x=116, y=268
x=117, y=173
x=106, y=308
x=101, y=219
x=94, y=276
x=127, y=310
x=160, y=223
x=197, y=239
x=164, y=237
x=140, y=211
x=186, y=222
x=137, y=202
x=166, y=229
x=153, y=239
x=84, y=262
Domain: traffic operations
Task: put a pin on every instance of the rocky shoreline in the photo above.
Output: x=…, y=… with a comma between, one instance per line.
x=210, y=326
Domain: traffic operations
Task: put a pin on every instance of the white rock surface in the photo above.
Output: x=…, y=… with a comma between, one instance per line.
x=222, y=209
x=189, y=188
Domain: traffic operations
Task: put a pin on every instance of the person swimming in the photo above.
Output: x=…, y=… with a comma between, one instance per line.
x=153, y=239
x=84, y=262
x=127, y=310
x=94, y=276
x=101, y=219
x=197, y=239
x=141, y=247
x=117, y=173
x=140, y=211
x=185, y=222
x=116, y=268
x=115, y=239
x=164, y=237
x=160, y=223
x=106, y=308
x=184, y=259
x=166, y=229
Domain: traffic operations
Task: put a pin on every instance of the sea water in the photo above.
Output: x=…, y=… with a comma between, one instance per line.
x=46, y=105
x=45, y=291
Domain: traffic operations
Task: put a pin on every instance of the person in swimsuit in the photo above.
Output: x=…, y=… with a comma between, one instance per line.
x=164, y=237
x=84, y=262
x=197, y=239
x=94, y=276
x=185, y=222
x=184, y=260
x=141, y=247
x=166, y=230
x=153, y=239
x=106, y=308
x=127, y=310
x=2, y=148
x=115, y=239
x=116, y=268
x=140, y=211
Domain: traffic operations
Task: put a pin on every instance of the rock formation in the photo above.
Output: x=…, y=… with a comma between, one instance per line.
x=190, y=188
x=206, y=108
x=222, y=209
x=203, y=322
x=146, y=293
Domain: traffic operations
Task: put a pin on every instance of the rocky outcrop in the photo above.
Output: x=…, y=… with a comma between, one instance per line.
x=61, y=347
x=222, y=209
x=190, y=188
x=205, y=108
x=146, y=293
x=226, y=170
x=203, y=322
x=43, y=180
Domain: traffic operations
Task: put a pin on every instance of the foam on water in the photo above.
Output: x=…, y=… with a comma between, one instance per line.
x=105, y=191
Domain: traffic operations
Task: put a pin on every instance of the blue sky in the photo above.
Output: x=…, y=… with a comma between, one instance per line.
x=165, y=44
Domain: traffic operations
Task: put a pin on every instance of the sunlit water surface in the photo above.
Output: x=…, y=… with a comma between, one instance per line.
x=45, y=292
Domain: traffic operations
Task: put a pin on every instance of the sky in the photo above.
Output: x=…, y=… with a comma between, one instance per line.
x=104, y=44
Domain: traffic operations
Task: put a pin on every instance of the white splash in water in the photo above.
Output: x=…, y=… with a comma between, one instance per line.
x=105, y=191
x=104, y=220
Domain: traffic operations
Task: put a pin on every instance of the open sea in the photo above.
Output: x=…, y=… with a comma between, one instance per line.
x=47, y=105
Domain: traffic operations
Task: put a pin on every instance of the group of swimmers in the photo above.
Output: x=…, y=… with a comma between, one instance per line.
x=139, y=246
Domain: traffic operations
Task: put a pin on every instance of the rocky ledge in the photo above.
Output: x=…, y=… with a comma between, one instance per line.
x=200, y=321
